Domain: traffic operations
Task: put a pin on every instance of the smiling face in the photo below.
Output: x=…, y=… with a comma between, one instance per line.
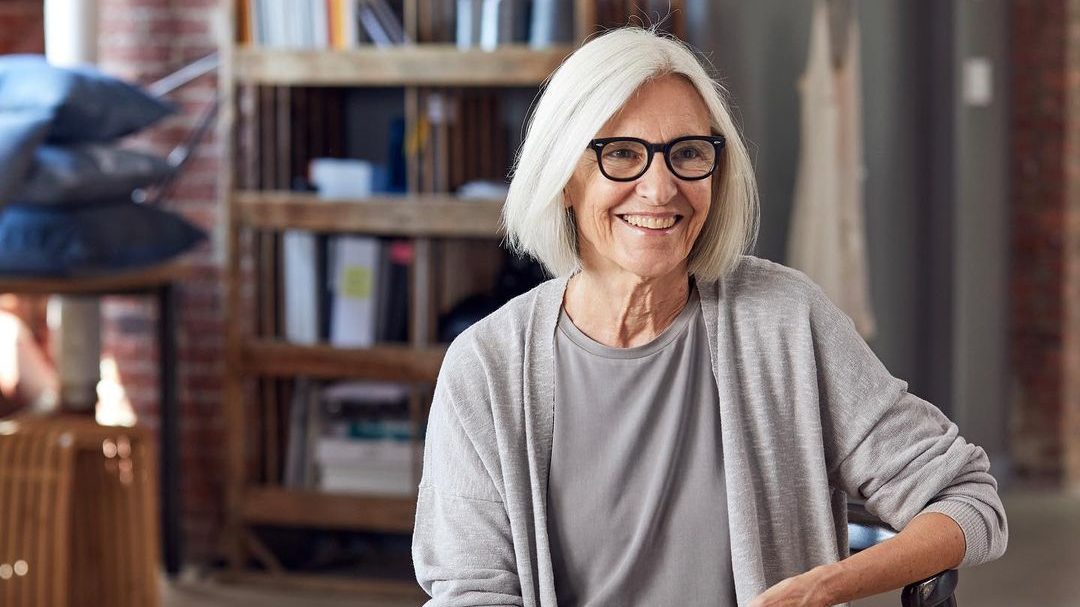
x=648, y=226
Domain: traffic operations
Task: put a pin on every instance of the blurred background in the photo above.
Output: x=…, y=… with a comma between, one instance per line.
x=239, y=233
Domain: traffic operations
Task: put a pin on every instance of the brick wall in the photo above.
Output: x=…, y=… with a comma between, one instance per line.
x=1045, y=222
x=143, y=40
x=1037, y=206
x=22, y=27
x=1071, y=405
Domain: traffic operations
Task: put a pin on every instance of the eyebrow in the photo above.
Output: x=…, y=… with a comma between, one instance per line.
x=707, y=133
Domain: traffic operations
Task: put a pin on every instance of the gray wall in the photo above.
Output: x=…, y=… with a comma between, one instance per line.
x=980, y=309
x=759, y=50
x=935, y=191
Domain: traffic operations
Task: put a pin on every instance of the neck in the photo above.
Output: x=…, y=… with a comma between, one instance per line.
x=624, y=310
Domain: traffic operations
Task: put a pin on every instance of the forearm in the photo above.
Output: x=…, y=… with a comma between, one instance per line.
x=929, y=544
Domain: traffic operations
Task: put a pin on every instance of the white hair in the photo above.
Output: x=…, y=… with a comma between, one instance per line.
x=590, y=86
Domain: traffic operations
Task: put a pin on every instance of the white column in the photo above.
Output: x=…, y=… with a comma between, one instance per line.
x=71, y=33
x=71, y=38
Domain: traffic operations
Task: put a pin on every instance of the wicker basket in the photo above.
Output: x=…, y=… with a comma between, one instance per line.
x=78, y=505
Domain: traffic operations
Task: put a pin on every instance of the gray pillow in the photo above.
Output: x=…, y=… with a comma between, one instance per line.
x=89, y=240
x=88, y=104
x=20, y=134
x=88, y=172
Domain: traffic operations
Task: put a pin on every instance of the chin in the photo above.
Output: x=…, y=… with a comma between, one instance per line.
x=649, y=270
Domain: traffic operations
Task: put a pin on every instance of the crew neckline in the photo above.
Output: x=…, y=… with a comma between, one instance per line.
x=666, y=337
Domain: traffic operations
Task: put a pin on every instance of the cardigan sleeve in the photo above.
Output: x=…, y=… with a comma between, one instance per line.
x=895, y=450
x=463, y=552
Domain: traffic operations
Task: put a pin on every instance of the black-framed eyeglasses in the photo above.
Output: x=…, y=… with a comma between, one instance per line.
x=628, y=158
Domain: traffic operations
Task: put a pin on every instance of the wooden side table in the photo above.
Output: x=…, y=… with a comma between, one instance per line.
x=159, y=282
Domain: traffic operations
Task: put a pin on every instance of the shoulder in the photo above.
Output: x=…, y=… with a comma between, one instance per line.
x=772, y=301
x=764, y=287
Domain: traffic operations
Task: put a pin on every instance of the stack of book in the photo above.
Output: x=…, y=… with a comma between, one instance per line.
x=490, y=23
x=346, y=24
x=363, y=443
x=376, y=462
x=319, y=24
x=351, y=437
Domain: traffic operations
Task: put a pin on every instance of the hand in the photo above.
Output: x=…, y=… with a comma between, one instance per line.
x=805, y=590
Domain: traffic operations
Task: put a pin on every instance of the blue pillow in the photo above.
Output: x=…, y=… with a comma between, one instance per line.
x=88, y=105
x=71, y=241
x=20, y=134
x=88, y=172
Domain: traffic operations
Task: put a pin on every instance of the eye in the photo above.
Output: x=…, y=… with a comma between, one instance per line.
x=621, y=154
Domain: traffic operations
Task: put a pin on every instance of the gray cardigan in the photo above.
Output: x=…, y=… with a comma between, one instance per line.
x=809, y=416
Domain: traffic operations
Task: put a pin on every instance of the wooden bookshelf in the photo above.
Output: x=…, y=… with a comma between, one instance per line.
x=395, y=590
x=411, y=65
x=285, y=101
x=417, y=215
x=391, y=362
x=299, y=508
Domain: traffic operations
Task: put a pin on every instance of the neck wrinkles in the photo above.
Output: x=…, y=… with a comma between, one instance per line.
x=624, y=313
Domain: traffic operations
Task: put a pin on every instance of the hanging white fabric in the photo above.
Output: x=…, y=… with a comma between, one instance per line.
x=827, y=238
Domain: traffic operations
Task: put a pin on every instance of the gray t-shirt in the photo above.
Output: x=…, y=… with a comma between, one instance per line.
x=637, y=512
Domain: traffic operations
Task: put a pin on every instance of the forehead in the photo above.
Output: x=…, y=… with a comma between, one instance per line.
x=667, y=107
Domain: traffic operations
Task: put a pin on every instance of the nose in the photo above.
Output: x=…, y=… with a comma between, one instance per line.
x=658, y=185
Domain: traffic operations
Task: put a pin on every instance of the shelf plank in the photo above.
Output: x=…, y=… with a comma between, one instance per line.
x=416, y=215
x=408, y=65
x=129, y=281
x=389, y=362
x=299, y=508
x=394, y=591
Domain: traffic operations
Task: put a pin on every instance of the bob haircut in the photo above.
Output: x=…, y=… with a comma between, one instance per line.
x=590, y=86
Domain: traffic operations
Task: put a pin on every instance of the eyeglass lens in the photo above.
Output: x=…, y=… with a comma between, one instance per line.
x=688, y=159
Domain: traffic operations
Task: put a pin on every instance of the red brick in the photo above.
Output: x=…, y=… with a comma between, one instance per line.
x=1038, y=124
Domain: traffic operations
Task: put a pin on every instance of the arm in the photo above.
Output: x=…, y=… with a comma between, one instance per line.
x=463, y=552
x=930, y=544
x=897, y=451
x=907, y=460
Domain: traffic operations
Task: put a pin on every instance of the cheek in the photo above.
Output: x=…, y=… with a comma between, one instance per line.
x=700, y=199
x=598, y=198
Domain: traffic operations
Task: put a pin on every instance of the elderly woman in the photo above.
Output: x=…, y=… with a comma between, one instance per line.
x=671, y=421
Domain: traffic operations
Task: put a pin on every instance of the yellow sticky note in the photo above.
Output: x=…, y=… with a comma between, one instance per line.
x=356, y=282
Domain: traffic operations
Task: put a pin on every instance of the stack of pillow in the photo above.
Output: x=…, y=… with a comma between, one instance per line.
x=66, y=186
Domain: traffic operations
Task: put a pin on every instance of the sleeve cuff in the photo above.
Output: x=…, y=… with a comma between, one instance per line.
x=972, y=523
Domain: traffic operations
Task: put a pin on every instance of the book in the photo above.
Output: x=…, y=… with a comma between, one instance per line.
x=245, y=22
x=395, y=31
x=300, y=466
x=354, y=451
x=551, y=23
x=320, y=24
x=355, y=262
x=496, y=23
x=301, y=278
x=372, y=27
x=394, y=480
x=468, y=23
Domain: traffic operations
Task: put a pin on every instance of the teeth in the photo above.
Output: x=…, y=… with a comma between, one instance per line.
x=646, y=221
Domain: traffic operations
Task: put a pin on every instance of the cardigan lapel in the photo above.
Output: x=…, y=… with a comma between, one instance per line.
x=539, y=395
x=739, y=463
